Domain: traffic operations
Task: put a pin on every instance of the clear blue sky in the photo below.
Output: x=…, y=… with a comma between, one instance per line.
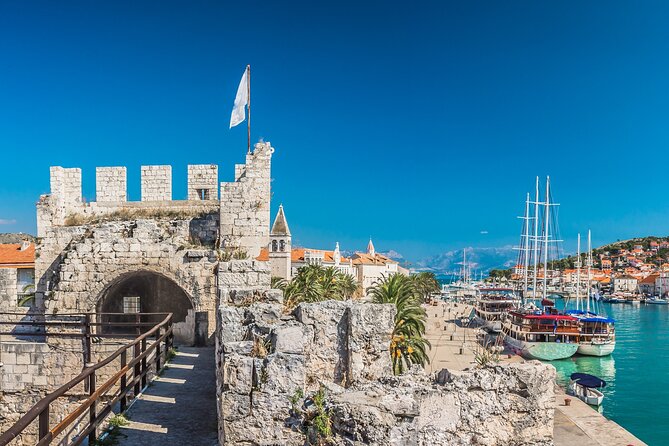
x=422, y=124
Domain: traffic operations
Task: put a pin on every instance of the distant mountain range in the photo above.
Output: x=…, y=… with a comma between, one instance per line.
x=478, y=259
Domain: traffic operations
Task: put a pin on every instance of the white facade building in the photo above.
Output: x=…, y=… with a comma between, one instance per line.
x=366, y=268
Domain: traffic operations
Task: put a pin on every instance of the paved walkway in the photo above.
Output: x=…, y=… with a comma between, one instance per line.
x=580, y=425
x=454, y=347
x=179, y=407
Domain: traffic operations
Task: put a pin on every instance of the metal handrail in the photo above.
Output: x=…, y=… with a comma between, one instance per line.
x=138, y=365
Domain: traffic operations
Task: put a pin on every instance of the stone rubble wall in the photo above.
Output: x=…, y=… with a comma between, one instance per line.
x=96, y=256
x=66, y=192
x=342, y=346
x=31, y=370
x=244, y=204
x=8, y=291
x=203, y=177
x=111, y=184
x=245, y=212
x=156, y=183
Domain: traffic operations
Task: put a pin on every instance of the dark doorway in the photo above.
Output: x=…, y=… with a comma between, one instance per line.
x=149, y=292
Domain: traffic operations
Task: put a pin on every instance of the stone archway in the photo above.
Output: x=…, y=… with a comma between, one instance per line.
x=150, y=292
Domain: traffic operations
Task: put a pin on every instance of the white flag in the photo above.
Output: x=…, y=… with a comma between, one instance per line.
x=242, y=98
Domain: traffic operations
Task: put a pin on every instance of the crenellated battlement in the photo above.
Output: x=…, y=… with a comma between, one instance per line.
x=243, y=204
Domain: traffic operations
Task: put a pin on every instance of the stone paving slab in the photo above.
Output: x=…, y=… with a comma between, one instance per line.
x=178, y=408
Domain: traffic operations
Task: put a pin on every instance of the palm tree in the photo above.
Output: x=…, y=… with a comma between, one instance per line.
x=407, y=345
x=314, y=283
x=426, y=284
x=278, y=283
x=346, y=285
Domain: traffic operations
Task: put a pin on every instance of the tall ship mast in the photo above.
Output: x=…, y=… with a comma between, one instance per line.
x=598, y=336
x=533, y=332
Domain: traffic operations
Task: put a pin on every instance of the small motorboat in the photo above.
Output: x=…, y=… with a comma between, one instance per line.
x=614, y=300
x=657, y=301
x=585, y=387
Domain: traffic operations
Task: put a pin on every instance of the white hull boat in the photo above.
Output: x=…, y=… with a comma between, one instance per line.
x=597, y=349
x=592, y=397
x=586, y=388
x=544, y=351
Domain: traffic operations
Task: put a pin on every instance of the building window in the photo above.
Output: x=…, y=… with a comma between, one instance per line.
x=274, y=245
x=131, y=304
x=203, y=194
x=25, y=287
x=282, y=245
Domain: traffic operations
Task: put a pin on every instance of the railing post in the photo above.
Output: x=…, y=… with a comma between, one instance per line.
x=138, y=320
x=91, y=410
x=87, y=345
x=124, y=381
x=137, y=372
x=144, y=363
x=44, y=422
x=170, y=337
x=158, y=351
x=87, y=339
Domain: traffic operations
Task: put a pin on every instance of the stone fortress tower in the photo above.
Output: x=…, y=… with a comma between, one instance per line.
x=279, y=247
x=94, y=256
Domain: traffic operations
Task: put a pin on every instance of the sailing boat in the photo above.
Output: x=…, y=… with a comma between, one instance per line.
x=492, y=305
x=598, y=337
x=541, y=333
x=463, y=288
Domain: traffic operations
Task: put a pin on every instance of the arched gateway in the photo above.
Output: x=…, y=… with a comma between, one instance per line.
x=153, y=255
x=150, y=292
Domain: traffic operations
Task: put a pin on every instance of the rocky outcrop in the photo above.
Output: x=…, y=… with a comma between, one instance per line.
x=504, y=405
x=278, y=373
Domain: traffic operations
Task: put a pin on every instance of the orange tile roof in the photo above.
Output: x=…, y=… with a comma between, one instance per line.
x=11, y=256
x=649, y=278
x=368, y=259
x=297, y=255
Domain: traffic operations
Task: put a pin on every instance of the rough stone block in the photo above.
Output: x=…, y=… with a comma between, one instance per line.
x=285, y=373
x=370, y=328
x=294, y=338
x=327, y=359
x=242, y=348
x=235, y=406
x=238, y=373
x=231, y=327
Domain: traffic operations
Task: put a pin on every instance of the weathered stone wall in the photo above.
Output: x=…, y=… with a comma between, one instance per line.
x=156, y=183
x=31, y=370
x=84, y=247
x=98, y=256
x=8, y=290
x=245, y=217
x=111, y=184
x=265, y=358
x=203, y=177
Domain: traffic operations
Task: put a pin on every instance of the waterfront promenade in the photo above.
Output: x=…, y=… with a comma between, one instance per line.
x=454, y=347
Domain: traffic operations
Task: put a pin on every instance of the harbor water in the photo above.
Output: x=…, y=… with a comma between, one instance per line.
x=636, y=395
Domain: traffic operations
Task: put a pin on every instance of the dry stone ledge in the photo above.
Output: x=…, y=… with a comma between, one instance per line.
x=342, y=347
x=494, y=406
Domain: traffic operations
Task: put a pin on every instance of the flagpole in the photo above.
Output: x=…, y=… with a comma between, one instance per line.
x=248, y=123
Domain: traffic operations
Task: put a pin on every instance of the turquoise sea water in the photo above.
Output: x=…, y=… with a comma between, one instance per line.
x=637, y=395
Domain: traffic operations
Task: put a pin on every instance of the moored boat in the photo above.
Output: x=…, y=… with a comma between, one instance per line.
x=585, y=387
x=491, y=306
x=597, y=333
x=598, y=336
x=544, y=336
